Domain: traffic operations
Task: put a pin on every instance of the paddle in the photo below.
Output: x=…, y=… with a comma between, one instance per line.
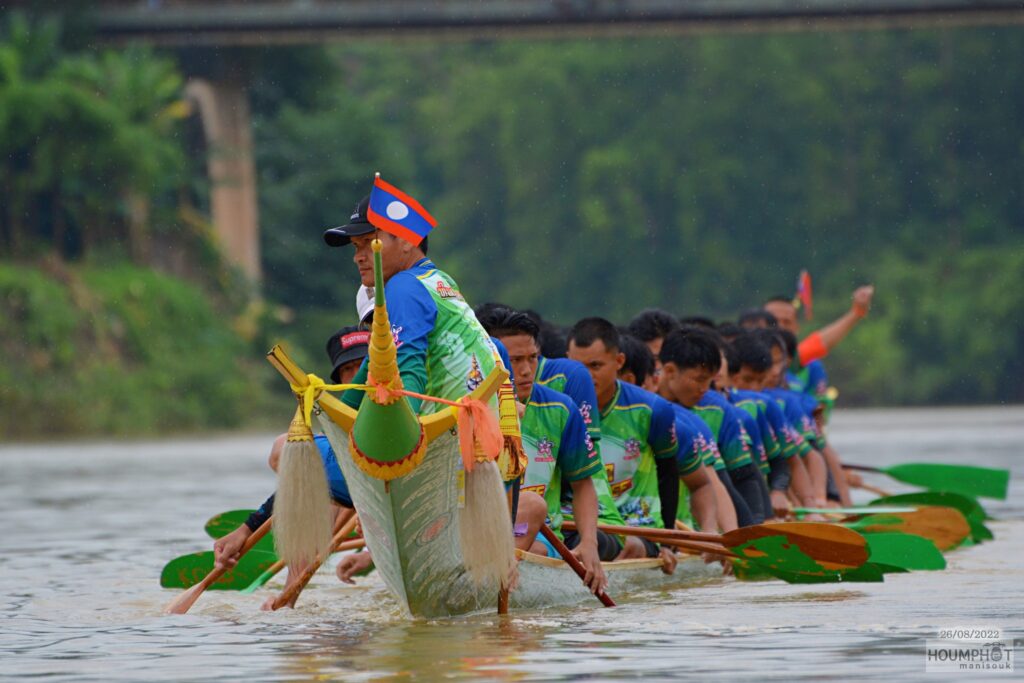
x=945, y=527
x=291, y=592
x=905, y=551
x=224, y=523
x=970, y=508
x=184, y=602
x=800, y=546
x=851, y=510
x=966, y=479
x=571, y=560
x=188, y=570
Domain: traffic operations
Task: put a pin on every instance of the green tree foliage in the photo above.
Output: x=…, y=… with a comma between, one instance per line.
x=699, y=175
x=86, y=139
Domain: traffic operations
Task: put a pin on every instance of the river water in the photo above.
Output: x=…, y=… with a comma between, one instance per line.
x=88, y=526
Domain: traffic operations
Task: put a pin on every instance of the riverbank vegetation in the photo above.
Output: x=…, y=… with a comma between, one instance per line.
x=698, y=174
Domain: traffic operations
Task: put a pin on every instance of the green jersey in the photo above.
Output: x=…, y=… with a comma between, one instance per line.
x=637, y=427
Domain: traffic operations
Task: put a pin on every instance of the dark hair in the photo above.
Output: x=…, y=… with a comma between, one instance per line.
x=485, y=309
x=692, y=347
x=697, y=321
x=789, y=339
x=750, y=350
x=770, y=338
x=552, y=338
x=731, y=361
x=502, y=321
x=639, y=359
x=729, y=330
x=754, y=317
x=587, y=331
x=651, y=324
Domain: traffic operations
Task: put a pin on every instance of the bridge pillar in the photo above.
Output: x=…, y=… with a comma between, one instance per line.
x=223, y=107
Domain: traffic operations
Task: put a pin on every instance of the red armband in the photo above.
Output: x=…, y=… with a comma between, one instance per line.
x=811, y=349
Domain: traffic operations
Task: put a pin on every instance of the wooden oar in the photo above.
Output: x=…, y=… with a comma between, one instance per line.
x=224, y=523
x=571, y=560
x=828, y=546
x=338, y=543
x=969, y=507
x=186, y=571
x=906, y=551
x=873, y=489
x=945, y=527
x=862, y=510
x=966, y=479
x=184, y=602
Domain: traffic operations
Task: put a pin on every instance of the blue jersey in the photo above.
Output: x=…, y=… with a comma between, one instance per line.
x=696, y=442
x=747, y=417
x=793, y=409
x=771, y=420
x=810, y=379
x=727, y=426
x=573, y=379
x=335, y=479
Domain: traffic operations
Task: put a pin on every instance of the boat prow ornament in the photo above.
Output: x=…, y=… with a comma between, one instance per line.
x=410, y=475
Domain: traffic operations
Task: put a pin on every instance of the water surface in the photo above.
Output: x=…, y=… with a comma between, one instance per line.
x=88, y=527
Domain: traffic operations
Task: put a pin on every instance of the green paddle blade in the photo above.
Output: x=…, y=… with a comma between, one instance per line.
x=223, y=524
x=969, y=507
x=866, y=573
x=188, y=570
x=966, y=479
x=905, y=551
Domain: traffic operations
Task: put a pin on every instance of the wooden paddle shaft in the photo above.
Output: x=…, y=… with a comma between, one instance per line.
x=653, y=533
x=571, y=560
x=292, y=591
x=861, y=468
x=184, y=602
x=700, y=547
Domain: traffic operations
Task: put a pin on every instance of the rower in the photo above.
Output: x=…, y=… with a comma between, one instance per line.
x=690, y=360
x=795, y=409
x=699, y=489
x=638, y=439
x=749, y=360
x=346, y=348
x=561, y=454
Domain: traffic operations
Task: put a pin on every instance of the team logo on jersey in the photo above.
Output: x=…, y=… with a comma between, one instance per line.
x=544, y=451
x=446, y=291
x=621, y=487
x=585, y=411
x=589, y=444
x=632, y=449
x=673, y=438
x=475, y=377
x=396, y=330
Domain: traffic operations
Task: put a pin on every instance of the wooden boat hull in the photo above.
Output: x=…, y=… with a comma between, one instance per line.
x=412, y=529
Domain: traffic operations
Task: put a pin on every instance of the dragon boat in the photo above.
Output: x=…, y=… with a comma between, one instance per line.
x=409, y=485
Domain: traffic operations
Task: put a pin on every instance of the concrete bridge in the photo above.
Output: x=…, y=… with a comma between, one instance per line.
x=222, y=102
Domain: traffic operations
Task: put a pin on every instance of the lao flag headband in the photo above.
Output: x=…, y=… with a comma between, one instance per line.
x=393, y=211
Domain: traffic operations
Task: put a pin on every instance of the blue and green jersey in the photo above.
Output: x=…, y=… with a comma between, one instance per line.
x=637, y=427
x=727, y=427
x=560, y=452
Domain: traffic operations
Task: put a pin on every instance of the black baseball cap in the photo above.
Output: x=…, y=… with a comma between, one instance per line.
x=346, y=345
x=357, y=225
